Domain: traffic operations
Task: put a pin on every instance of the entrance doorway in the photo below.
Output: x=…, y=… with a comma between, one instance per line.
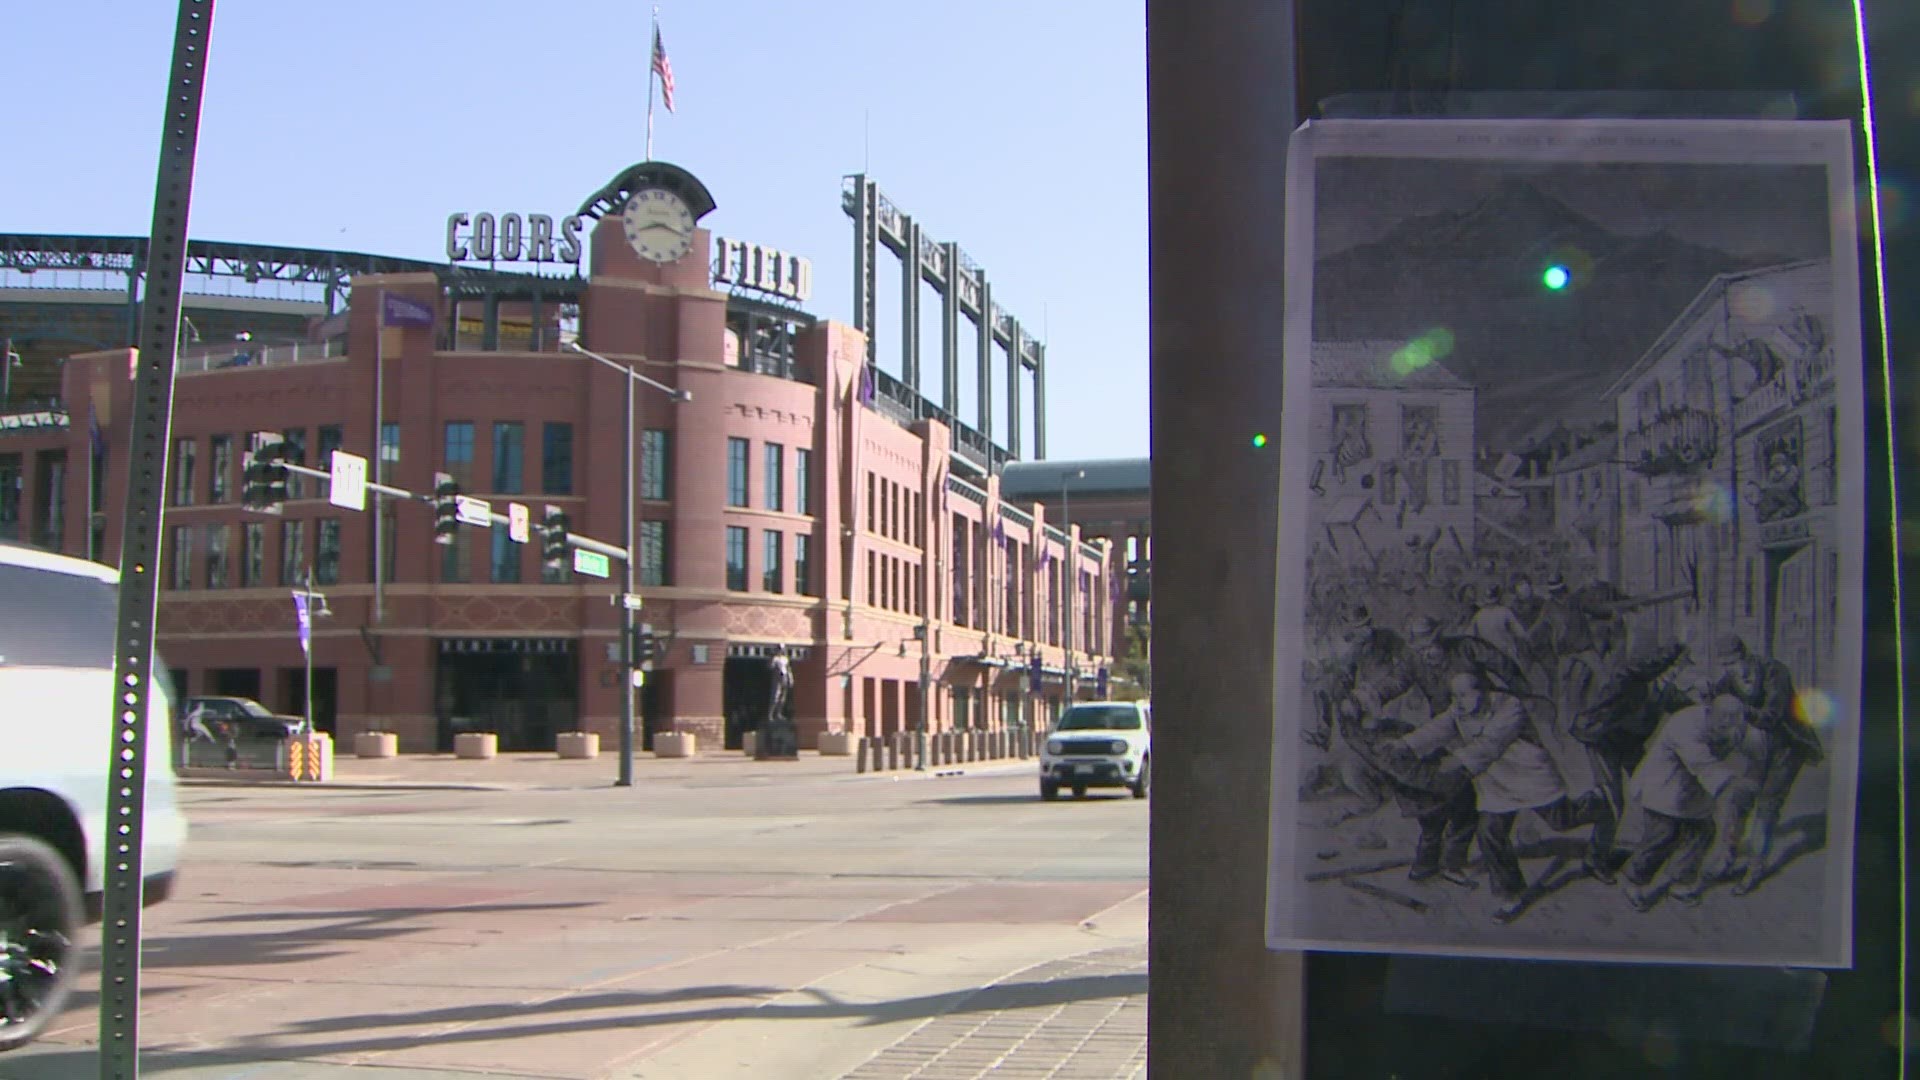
x=234, y=682
x=654, y=703
x=746, y=691
x=524, y=690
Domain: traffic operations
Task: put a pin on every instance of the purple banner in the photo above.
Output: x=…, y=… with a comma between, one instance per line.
x=305, y=615
x=400, y=311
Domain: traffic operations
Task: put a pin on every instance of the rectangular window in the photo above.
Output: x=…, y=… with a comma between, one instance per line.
x=873, y=504
x=803, y=564
x=219, y=468
x=293, y=552
x=297, y=449
x=556, y=459
x=181, y=576
x=389, y=451
x=12, y=484
x=330, y=438
x=1450, y=482
x=802, y=480
x=509, y=456
x=183, y=453
x=773, y=567
x=453, y=559
x=456, y=453
x=652, y=555
x=253, y=554
x=736, y=558
x=326, y=552
x=656, y=464
x=506, y=557
x=775, y=480
x=389, y=543
x=736, y=472
x=873, y=580
x=217, y=556
x=50, y=499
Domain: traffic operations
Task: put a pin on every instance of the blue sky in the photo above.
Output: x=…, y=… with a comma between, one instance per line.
x=1017, y=129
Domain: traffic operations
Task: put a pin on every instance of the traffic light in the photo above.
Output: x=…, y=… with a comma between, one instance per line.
x=446, y=509
x=646, y=647
x=553, y=537
x=264, y=473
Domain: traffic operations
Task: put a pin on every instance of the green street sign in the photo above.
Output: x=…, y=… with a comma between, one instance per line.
x=591, y=563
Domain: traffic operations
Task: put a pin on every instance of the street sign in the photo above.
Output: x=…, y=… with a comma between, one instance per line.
x=630, y=601
x=591, y=563
x=349, y=485
x=472, y=511
x=519, y=522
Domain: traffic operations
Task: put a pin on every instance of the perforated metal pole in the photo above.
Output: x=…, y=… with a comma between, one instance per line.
x=146, y=463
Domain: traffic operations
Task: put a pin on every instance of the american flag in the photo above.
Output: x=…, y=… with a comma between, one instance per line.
x=663, y=68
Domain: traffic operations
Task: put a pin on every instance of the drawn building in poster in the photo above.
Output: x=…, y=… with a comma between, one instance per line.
x=1728, y=436
x=1392, y=440
x=1538, y=530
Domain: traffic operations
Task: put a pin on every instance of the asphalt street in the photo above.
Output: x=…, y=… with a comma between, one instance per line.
x=719, y=920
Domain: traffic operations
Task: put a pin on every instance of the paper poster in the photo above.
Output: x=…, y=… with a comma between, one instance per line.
x=1569, y=579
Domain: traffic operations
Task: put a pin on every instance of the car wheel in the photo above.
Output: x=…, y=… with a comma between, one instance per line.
x=1146, y=778
x=1049, y=790
x=1079, y=791
x=40, y=913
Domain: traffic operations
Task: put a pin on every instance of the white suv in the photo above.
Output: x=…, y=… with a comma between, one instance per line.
x=56, y=745
x=1099, y=744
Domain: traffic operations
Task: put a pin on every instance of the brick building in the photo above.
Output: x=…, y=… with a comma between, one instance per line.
x=780, y=506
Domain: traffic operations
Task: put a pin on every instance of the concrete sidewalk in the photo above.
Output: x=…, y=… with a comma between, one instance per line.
x=548, y=772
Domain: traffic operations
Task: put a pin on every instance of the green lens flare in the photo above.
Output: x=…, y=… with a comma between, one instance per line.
x=1556, y=277
x=1259, y=441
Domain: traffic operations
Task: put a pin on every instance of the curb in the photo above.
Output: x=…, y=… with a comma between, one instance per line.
x=337, y=786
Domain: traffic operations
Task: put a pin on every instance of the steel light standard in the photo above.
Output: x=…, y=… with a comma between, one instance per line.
x=627, y=612
x=1072, y=577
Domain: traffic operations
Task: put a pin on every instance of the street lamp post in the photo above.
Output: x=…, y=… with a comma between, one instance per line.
x=1072, y=579
x=627, y=613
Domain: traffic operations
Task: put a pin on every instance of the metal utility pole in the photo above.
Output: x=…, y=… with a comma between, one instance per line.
x=923, y=716
x=1223, y=1004
x=1070, y=581
x=629, y=614
x=152, y=404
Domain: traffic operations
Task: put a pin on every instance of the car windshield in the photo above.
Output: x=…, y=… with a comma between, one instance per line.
x=254, y=708
x=1099, y=718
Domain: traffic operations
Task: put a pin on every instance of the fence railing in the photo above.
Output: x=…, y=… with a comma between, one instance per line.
x=246, y=355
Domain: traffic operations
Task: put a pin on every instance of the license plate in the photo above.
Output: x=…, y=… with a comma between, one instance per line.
x=1083, y=770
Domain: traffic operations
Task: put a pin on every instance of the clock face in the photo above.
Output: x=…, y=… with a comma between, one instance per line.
x=659, y=225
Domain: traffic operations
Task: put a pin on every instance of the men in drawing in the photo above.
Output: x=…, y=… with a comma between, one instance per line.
x=1695, y=773
x=1487, y=738
x=1764, y=687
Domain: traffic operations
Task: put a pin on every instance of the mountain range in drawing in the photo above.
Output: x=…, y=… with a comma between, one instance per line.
x=1536, y=354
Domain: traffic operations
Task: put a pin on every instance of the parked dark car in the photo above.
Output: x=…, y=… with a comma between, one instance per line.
x=248, y=719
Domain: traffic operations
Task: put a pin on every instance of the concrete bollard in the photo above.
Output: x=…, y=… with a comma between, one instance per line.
x=376, y=744
x=893, y=752
x=675, y=744
x=577, y=745
x=860, y=758
x=476, y=745
x=750, y=743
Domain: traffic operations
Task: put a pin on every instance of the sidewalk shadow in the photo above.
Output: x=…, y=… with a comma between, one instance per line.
x=269, y=946
x=486, y=1022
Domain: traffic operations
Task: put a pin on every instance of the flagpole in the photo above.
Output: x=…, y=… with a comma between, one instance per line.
x=653, y=51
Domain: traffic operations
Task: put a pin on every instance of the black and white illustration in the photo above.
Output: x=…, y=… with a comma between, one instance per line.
x=1568, y=653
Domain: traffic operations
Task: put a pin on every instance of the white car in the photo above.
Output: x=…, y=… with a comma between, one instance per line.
x=1099, y=744
x=56, y=746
